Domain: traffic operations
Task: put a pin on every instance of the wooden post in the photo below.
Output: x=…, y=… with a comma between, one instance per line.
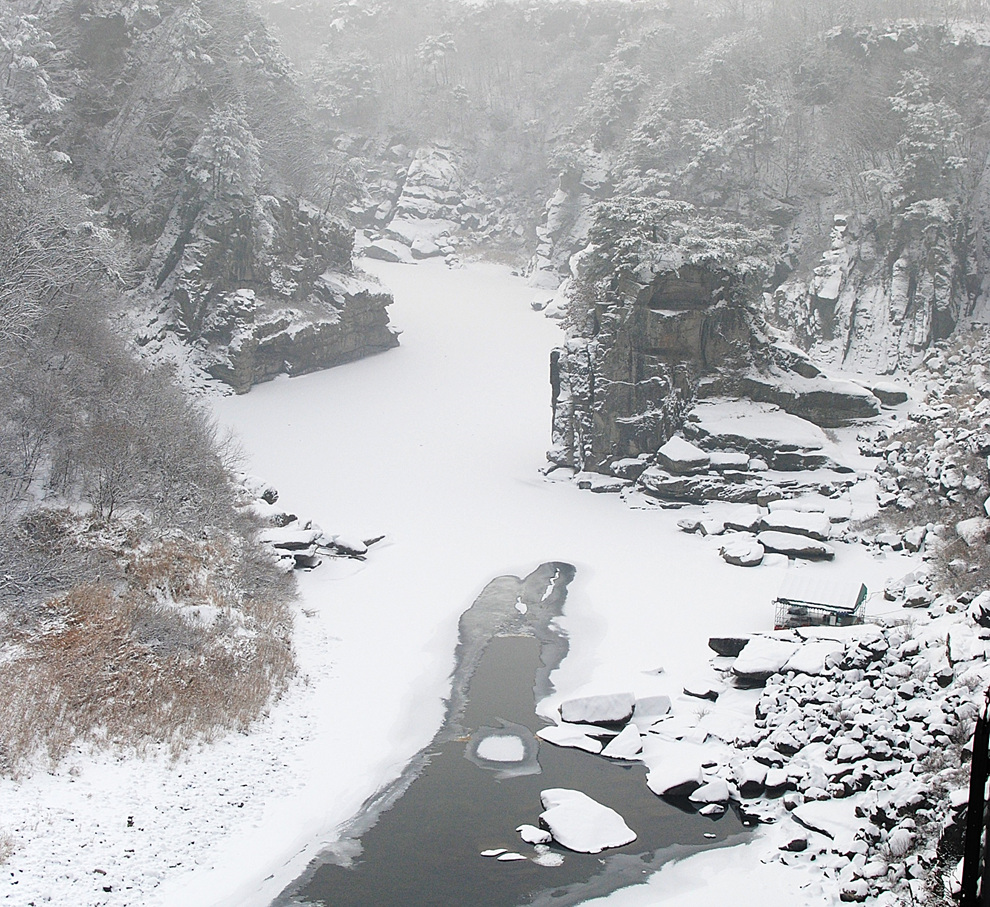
x=974, y=815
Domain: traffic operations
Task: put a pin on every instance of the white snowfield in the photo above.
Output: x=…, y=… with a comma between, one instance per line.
x=437, y=444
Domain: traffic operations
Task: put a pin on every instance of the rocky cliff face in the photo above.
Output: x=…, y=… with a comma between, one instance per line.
x=623, y=390
x=879, y=306
x=265, y=289
x=664, y=309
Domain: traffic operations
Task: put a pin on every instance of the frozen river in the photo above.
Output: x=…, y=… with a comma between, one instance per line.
x=439, y=446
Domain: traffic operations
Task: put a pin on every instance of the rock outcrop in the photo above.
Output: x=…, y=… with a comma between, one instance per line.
x=623, y=390
x=265, y=290
x=879, y=306
x=624, y=385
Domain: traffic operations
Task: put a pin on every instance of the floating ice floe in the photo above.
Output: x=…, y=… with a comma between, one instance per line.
x=502, y=748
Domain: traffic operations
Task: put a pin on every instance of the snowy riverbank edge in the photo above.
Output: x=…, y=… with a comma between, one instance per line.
x=233, y=821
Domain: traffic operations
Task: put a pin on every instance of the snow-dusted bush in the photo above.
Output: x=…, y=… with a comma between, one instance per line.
x=191, y=642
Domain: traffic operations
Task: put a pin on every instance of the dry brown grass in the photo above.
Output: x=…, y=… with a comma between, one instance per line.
x=179, y=653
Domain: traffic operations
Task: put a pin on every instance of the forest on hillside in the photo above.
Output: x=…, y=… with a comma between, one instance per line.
x=774, y=116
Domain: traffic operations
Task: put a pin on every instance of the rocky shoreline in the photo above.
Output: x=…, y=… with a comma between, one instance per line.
x=851, y=744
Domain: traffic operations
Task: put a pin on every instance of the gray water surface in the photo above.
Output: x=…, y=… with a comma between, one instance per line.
x=418, y=844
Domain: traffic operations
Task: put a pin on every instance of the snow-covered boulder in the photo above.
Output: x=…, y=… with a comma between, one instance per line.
x=681, y=457
x=649, y=710
x=761, y=657
x=795, y=545
x=677, y=774
x=579, y=823
x=728, y=461
x=744, y=518
x=888, y=393
x=973, y=531
x=614, y=708
x=423, y=247
x=742, y=550
x=813, y=525
x=347, y=545
x=810, y=658
x=628, y=744
x=714, y=791
x=533, y=835
x=570, y=735
x=388, y=250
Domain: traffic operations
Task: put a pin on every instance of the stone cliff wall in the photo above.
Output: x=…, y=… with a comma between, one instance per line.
x=262, y=289
x=876, y=305
x=623, y=390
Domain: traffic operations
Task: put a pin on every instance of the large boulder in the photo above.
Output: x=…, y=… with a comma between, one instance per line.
x=783, y=440
x=388, y=250
x=611, y=709
x=762, y=657
x=742, y=550
x=796, y=546
x=580, y=823
x=813, y=525
x=681, y=457
x=824, y=401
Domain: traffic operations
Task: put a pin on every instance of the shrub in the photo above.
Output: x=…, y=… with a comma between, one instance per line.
x=183, y=651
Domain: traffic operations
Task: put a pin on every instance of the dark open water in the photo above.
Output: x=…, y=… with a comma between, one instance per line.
x=418, y=843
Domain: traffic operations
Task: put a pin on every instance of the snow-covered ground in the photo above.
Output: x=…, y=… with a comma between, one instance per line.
x=438, y=445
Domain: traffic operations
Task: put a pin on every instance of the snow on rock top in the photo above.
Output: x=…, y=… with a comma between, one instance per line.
x=675, y=768
x=614, y=708
x=579, y=823
x=762, y=656
x=679, y=456
x=569, y=735
x=810, y=658
x=627, y=745
x=814, y=525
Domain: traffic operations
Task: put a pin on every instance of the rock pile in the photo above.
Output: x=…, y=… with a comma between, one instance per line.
x=735, y=451
x=295, y=543
x=797, y=528
x=849, y=741
x=420, y=205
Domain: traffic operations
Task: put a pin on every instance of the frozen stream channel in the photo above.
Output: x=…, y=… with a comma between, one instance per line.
x=439, y=445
